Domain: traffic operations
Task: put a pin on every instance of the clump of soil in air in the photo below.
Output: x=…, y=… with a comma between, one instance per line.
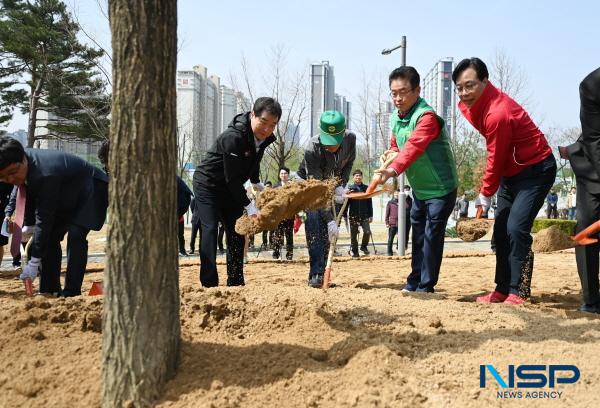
x=551, y=239
x=278, y=204
x=472, y=229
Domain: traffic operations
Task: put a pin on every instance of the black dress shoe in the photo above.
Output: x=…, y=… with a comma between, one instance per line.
x=590, y=308
x=365, y=250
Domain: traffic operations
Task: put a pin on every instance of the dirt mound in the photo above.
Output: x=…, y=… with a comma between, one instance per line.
x=278, y=204
x=471, y=229
x=551, y=239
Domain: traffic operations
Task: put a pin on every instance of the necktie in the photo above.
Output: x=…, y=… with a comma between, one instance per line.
x=15, y=245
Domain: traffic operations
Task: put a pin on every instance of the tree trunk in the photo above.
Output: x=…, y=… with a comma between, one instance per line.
x=33, y=110
x=141, y=329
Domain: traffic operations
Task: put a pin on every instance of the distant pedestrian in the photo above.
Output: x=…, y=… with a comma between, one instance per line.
x=572, y=203
x=552, y=204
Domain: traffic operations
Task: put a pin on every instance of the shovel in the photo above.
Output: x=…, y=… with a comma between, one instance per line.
x=371, y=192
x=332, y=244
x=470, y=234
x=583, y=238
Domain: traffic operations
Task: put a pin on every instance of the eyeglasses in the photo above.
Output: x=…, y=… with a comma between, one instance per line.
x=466, y=88
x=400, y=94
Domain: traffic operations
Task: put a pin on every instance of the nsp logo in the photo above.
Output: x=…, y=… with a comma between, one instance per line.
x=531, y=375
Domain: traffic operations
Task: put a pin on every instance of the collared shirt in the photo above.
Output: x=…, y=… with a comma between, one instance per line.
x=513, y=141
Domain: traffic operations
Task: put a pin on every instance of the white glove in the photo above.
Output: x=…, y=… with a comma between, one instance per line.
x=485, y=202
x=338, y=195
x=332, y=230
x=251, y=209
x=258, y=186
x=31, y=270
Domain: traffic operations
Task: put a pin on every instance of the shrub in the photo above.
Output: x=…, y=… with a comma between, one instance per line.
x=451, y=232
x=567, y=226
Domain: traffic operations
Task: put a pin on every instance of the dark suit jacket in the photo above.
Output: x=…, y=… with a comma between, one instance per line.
x=65, y=189
x=584, y=154
x=232, y=159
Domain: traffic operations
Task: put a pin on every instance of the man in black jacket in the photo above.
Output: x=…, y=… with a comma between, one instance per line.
x=219, y=186
x=361, y=215
x=584, y=156
x=69, y=195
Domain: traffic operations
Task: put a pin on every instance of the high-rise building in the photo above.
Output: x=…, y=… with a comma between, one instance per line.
x=242, y=103
x=189, y=117
x=380, y=126
x=86, y=149
x=341, y=105
x=204, y=109
x=436, y=89
x=322, y=93
x=228, y=106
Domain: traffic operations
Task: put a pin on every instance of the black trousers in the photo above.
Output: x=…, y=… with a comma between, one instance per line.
x=220, y=237
x=588, y=212
x=363, y=223
x=77, y=255
x=285, y=229
x=195, y=229
x=180, y=237
x=214, y=204
x=520, y=198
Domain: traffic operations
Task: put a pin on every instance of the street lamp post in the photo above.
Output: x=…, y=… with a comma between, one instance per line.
x=401, y=182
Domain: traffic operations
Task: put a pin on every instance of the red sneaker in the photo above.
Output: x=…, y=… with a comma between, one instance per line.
x=492, y=297
x=513, y=299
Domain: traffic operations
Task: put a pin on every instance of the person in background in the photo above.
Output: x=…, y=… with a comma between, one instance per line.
x=462, y=205
x=184, y=198
x=360, y=214
x=572, y=203
x=267, y=236
x=407, y=209
x=285, y=229
x=391, y=222
x=195, y=226
x=552, y=204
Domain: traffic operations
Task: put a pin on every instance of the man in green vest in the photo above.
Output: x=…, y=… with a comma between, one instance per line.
x=419, y=137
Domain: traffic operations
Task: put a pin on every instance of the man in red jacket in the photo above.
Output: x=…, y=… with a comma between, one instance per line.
x=520, y=167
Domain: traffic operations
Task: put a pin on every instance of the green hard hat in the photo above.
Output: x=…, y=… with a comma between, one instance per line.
x=333, y=128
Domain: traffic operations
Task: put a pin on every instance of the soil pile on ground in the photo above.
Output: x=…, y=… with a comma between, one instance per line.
x=471, y=229
x=278, y=204
x=278, y=343
x=551, y=239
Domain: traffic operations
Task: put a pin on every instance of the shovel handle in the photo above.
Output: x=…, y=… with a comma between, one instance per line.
x=479, y=213
x=28, y=286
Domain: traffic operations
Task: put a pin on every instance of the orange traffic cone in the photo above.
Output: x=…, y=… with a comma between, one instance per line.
x=96, y=289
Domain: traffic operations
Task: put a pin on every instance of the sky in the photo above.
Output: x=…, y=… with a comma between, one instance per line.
x=555, y=43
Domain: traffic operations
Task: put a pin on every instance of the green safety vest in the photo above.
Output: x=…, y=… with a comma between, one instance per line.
x=433, y=174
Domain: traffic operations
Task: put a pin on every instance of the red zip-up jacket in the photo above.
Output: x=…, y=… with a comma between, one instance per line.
x=513, y=141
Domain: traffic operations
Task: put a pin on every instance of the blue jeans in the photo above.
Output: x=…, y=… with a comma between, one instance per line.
x=428, y=219
x=317, y=241
x=520, y=197
x=572, y=213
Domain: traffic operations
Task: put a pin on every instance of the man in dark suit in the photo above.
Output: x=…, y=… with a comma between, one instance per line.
x=219, y=186
x=584, y=156
x=69, y=195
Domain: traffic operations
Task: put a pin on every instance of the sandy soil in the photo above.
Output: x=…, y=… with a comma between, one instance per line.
x=276, y=342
